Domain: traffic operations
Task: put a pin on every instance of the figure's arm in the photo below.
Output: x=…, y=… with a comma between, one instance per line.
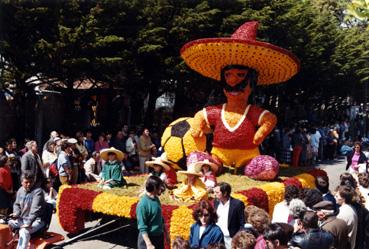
x=199, y=126
x=267, y=123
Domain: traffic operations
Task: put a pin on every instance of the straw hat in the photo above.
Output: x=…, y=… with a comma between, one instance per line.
x=104, y=153
x=193, y=169
x=162, y=161
x=200, y=158
x=210, y=55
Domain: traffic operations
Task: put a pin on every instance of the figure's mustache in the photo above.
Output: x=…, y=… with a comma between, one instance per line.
x=237, y=88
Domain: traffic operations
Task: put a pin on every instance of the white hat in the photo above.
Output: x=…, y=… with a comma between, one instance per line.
x=72, y=141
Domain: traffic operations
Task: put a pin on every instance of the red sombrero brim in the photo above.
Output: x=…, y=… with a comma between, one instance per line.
x=208, y=56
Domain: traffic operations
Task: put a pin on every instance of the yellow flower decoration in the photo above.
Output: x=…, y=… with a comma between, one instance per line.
x=113, y=204
x=241, y=197
x=60, y=192
x=180, y=223
x=307, y=180
x=275, y=193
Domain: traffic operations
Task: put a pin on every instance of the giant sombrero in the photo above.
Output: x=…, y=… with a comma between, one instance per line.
x=208, y=56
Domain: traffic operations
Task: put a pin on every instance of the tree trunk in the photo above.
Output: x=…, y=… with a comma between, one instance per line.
x=150, y=111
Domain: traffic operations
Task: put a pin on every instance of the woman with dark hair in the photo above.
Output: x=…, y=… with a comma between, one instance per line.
x=205, y=231
x=277, y=235
x=356, y=160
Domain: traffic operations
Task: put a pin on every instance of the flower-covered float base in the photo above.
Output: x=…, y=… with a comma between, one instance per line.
x=75, y=201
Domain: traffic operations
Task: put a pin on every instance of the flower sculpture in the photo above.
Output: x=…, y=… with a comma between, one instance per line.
x=239, y=62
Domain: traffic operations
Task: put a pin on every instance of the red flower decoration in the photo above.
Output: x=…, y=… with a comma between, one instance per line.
x=317, y=172
x=73, y=203
x=256, y=197
x=292, y=181
x=167, y=211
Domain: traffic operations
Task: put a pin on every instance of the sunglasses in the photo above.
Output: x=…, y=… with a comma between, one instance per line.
x=204, y=215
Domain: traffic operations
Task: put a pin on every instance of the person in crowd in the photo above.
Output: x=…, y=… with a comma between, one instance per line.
x=180, y=243
x=146, y=148
x=315, y=142
x=150, y=221
x=277, y=235
x=311, y=197
x=64, y=164
x=49, y=157
x=344, y=197
x=328, y=221
x=205, y=231
x=76, y=160
x=6, y=185
x=28, y=210
x=101, y=143
x=80, y=146
x=53, y=135
x=119, y=141
x=243, y=240
x=356, y=160
x=111, y=175
x=259, y=219
x=322, y=184
x=216, y=246
x=23, y=151
x=89, y=142
x=162, y=168
x=309, y=236
x=131, y=148
x=281, y=212
x=31, y=163
x=91, y=168
x=364, y=187
x=230, y=212
x=298, y=143
x=50, y=193
x=297, y=210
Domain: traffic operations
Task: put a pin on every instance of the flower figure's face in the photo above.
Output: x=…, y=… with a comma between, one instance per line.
x=235, y=76
x=238, y=89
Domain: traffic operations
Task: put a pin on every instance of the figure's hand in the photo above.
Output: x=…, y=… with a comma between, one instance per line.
x=196, y=132
x=258, y=139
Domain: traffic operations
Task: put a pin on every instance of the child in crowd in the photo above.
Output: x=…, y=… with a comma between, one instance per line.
x=111, y=175
x=50, y=193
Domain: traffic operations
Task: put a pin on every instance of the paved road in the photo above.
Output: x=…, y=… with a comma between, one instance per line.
x=124, y=237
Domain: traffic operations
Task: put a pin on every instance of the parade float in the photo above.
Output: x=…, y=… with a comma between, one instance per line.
x=239, y=63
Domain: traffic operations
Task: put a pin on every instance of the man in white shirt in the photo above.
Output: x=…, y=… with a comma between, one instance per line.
x=230, y=212
x=91, y=168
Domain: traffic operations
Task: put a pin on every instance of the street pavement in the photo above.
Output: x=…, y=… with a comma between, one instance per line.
x=126, y=237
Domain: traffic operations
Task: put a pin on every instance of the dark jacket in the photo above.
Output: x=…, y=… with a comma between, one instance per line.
x=236, y=215
x=362, y=158
x=212, y=234
x=313, y=239
x=31, y=164
x=362, y=235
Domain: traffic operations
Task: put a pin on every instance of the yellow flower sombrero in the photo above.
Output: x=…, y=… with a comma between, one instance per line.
x=208, y=56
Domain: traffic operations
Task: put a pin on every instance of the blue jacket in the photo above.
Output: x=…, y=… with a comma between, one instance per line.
x=211, y=235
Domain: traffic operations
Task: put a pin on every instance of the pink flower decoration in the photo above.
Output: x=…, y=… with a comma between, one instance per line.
x=262, y=168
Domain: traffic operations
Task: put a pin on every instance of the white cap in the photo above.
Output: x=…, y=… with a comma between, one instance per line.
x=72, y=141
